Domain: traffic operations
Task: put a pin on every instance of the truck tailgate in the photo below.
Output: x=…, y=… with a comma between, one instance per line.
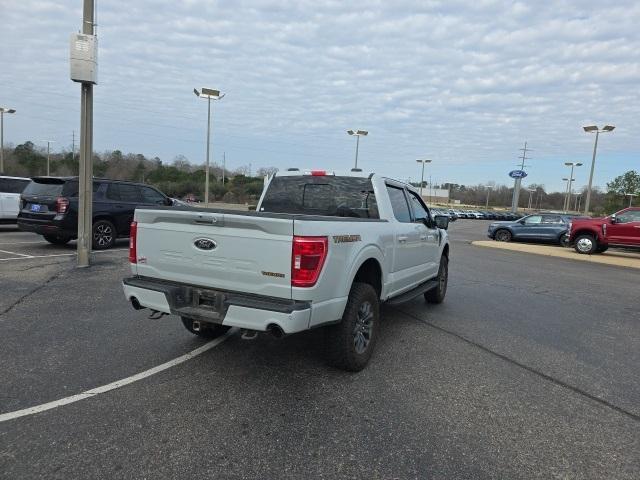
x=226, y=251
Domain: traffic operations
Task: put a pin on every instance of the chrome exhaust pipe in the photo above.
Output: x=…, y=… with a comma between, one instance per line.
x=195, y=326
x=276, y=331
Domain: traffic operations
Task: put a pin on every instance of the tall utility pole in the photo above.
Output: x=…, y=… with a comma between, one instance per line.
x=518, y=181
x=630, y=195
x=49, y=142
x=209, y=94
x=73, y=145
x=3, y=110
x=85, y=188
x=224, y=165
x=591, y=129
x=565, y=204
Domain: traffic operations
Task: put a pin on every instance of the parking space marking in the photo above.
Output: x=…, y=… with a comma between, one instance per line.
x=16, y=243
x=14, y=253
x=118, y=383
x=29, y=257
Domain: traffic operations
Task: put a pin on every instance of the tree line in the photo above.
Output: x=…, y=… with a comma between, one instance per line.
x=180, y=178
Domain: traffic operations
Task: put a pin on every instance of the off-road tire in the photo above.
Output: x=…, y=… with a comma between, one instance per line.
x=437, y=294
x=350, y=343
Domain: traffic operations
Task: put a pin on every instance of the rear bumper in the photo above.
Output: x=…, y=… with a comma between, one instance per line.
x=43, y=227
x=234, y=309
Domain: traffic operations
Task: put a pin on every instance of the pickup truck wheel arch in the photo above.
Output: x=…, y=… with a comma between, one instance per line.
x=370, y=273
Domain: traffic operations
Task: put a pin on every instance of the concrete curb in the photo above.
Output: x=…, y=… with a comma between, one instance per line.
x=618, y=259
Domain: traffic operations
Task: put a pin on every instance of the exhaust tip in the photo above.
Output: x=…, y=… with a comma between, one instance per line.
x=136, y=304
x=276, y=331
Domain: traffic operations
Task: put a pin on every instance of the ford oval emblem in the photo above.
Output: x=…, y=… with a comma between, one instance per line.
x=205, y=244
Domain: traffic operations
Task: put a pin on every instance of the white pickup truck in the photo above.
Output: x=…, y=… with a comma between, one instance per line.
x=321, y=249
x=10, y=190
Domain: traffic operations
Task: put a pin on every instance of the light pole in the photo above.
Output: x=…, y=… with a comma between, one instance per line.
x=564, y=204
x=486, y=205
x=422, y=175
x=3, y=110
x=567, y=200
x=591, y=129
x=209, y=94
x=357, y=134
x=49, y=142
x=530, y=198
x=631, y=195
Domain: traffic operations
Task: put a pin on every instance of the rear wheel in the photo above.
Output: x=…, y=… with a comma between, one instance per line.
x=56, y=240
x=204, y=329
x=104, y=235
x=586, y=244
x=437, y=294
x=350, y=343
x=503, y=236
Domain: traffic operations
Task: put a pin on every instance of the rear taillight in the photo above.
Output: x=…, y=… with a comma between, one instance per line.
x=62, y=205
x=318, y=173
x=307, y=259
x=133, y=252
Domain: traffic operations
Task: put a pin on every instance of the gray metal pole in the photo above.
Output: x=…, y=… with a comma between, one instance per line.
x=422, y=178
x=85, y=187
x=486, y=205
x=566, y=192
x=1, y=141
x=206, y=174
x=48, y=163
x=587, y=202
x=224, y=165
x=357, y=145
x=516, y=195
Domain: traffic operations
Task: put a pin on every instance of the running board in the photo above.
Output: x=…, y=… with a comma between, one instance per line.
x=411, y=294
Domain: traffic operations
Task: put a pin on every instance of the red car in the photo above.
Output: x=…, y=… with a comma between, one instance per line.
x=595, y=235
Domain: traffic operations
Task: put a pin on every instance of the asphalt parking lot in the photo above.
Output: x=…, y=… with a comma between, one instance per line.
x=528, y=370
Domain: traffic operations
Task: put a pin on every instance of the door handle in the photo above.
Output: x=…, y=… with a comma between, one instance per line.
x=402, y=239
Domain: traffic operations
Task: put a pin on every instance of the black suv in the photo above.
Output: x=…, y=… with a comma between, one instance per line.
x=49, y=206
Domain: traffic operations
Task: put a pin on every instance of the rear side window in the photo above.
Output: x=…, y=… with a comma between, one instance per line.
x=321, y=195
x=399, y=204
x=71, y=188
x=152, y=196
x=13, y=185
x=123, y=192
x=50, y=189
x=552, y=219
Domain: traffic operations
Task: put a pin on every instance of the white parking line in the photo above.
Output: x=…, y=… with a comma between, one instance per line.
x=117, y=384
x=16, y=243
x=28, y=257
x=14, y=253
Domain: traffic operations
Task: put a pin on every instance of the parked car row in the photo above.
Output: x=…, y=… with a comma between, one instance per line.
x=454, y=214
x=587, y=235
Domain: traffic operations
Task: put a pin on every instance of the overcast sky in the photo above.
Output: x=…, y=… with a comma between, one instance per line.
x=464, y=83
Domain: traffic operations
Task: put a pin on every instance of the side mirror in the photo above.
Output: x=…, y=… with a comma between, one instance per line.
x=442, y=221
x=614, y=219
x=168, y=202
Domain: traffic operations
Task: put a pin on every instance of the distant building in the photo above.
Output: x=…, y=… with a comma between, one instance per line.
x=435, y=195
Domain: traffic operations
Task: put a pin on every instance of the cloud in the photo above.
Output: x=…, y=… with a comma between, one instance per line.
x=462, y=82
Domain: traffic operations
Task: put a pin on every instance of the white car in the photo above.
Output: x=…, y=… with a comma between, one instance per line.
x=321, y=249
x=10, y=190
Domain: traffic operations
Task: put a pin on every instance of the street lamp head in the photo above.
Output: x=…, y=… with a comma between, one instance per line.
x=608, y=128
x=358, y=133
x=590, y=128
x=208, y=93
x=423, y=161
x=578, y=164
x=7, y=110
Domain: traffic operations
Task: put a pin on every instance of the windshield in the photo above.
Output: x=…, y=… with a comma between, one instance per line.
x=44, y=188
x=321, y=195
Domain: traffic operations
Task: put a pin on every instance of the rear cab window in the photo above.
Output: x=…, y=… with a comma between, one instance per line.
x=334, y=196
x=13, y=185
x=399, y=204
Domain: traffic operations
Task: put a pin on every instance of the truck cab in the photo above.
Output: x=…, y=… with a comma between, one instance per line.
x=596, y=235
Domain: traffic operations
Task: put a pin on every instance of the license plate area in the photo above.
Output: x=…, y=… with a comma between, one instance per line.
x=36, y=207
x=209, y=300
